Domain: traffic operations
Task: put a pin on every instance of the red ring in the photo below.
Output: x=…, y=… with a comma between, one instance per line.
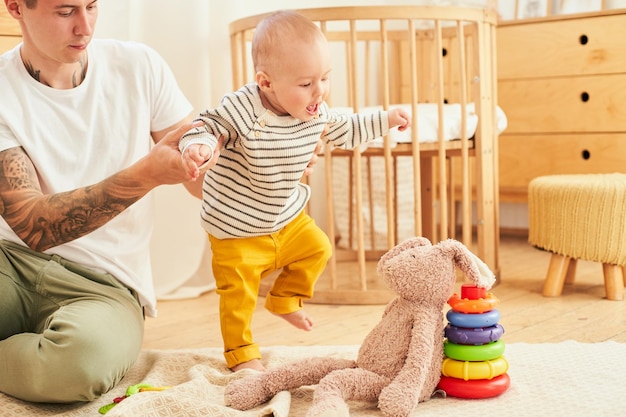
x=468, y=306
x=474, y=388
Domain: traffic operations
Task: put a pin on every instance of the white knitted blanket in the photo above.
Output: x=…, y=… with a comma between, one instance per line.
x=561, y=379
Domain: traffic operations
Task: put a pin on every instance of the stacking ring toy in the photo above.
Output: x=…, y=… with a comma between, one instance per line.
x=473, y=336
x=487, y=319
x=484, y=352
x=474, y=388
x=471, y=306
x=466, y=370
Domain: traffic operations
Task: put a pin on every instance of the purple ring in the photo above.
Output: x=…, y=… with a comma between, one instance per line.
x=473, y=336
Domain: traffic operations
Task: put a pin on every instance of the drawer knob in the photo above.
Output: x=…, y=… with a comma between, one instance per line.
x=584, y=96
x=586, y=154
x=583, y=39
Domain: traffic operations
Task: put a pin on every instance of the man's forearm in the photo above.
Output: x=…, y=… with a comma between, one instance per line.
x=44, y=221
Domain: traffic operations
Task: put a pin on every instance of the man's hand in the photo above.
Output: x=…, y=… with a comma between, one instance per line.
x=165, y=165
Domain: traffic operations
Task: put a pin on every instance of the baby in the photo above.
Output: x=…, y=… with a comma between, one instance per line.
x=253, y=200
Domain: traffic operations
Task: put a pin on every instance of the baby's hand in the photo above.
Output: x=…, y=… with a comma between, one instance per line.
x=398, y=117
x=198, y=154
x=195, y=157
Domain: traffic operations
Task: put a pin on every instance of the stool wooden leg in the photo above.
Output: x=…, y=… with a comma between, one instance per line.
x=555, y=277
x=613, y=282
x=624, y=274
x=570, y=276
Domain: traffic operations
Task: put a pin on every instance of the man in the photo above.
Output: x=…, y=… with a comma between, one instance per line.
x=87, y=129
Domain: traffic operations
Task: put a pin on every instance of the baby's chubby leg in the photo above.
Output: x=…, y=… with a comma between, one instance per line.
x=303, y=250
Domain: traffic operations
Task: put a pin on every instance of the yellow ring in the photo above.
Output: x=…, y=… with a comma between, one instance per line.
x=474, y=370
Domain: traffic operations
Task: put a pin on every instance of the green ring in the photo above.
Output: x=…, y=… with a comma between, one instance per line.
x=474, y=353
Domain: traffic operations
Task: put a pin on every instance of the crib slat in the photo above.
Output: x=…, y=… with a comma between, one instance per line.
x=466, y=198
x=356, y=160
x=390, y=191
x=486, y=182
x=441, y=156
x=418, y=178
x=330, y=212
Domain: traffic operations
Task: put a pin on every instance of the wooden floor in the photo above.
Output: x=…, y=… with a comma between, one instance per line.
x=581, y=313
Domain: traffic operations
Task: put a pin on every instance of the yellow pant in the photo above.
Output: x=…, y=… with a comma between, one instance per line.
x=301, y=249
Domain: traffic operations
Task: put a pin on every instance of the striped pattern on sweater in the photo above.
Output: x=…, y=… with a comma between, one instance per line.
x=255, y=189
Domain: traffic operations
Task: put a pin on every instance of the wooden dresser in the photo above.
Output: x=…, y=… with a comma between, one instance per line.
x=10, y=34
x=562, y=85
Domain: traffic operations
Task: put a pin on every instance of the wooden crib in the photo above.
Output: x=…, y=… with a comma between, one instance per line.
x=439, y=62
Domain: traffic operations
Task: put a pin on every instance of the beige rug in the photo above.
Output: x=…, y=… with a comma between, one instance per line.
x=562, y=379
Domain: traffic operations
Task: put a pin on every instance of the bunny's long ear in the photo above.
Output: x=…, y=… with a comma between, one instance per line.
x=471, y=265
x=486, y=278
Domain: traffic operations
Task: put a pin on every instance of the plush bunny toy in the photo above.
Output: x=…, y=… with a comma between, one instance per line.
x=399, y=362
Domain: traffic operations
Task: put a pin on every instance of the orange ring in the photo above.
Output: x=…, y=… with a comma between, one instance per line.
x=467, y=306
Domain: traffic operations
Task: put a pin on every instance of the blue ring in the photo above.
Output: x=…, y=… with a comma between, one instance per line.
x=473, y=321
x=473, y=336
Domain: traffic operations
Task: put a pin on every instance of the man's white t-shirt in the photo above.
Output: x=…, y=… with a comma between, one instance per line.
x=80, y=136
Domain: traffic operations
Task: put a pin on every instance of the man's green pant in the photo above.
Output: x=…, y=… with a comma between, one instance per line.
x=67, y=333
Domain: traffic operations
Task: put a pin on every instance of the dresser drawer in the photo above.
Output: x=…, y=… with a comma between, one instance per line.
x=524, y=157
x=570, y=104
x=590, y=45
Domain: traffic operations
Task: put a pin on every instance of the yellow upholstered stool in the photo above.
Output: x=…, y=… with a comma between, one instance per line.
x=580, y=217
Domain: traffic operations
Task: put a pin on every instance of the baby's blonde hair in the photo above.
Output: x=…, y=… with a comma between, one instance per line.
x=274, y=31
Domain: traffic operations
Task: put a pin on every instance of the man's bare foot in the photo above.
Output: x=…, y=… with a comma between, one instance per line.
x=251, y=364
x=298, y=319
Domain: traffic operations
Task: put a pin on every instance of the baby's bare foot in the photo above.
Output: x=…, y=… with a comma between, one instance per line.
x=251, y=364
x=298, y=319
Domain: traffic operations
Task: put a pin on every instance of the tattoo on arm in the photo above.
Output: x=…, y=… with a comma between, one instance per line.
x=44, y=221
